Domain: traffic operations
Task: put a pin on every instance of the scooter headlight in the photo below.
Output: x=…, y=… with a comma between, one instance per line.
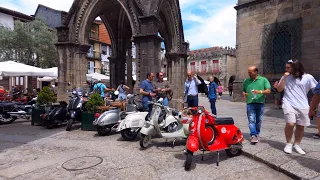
x=79, y=105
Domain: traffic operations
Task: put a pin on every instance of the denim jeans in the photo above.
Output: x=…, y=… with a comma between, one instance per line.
x=147, y=107
x=255, y=113
x=213, y=106
x=165, y=101
x=192, y=101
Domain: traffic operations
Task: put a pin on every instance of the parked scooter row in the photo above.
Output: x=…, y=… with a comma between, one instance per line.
x=10, y=111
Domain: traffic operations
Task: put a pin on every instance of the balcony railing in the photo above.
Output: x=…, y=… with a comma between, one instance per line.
x=94, y=55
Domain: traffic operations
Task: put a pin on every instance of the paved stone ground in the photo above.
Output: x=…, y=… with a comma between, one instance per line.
x=33, y=152
x=270, y=149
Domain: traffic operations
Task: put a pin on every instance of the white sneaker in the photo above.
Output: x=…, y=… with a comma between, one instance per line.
x=288, y=148
x=299, y=150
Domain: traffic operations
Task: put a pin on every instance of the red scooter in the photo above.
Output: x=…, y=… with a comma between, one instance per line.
x=208, y=133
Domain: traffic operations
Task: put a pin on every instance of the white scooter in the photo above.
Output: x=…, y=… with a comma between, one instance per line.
x=133, y=122
x=170, y=124
x=111, y=119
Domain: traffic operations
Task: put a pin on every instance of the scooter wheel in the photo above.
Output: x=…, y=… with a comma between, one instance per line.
x=188, y=162
x=6, y=120
x=232, y=152
x=69, y=124
x=144, y=141
x=128, y=135
x=103, y=130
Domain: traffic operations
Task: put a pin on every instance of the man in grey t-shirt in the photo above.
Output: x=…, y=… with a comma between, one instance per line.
x=162, y=88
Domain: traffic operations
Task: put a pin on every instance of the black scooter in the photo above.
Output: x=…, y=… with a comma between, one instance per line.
x=76, y=103
x=57, y=116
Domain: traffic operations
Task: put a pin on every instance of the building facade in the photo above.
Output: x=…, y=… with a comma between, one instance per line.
x=216, y=61
x=270, y=32
x=7, y=19
x=52, y=17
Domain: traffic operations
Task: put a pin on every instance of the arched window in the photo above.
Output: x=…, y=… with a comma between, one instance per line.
x=281, y=50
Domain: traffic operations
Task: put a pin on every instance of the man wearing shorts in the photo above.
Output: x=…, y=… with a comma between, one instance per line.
x=314, y=103
x=296, y=85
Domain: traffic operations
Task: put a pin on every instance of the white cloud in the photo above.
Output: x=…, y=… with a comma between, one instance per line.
x=218, y=29
x=215, y=27
x=29, y=6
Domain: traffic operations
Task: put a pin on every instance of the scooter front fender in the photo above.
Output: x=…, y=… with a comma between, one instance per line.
x=134, y=120
x=192, y=143
x=148, y=129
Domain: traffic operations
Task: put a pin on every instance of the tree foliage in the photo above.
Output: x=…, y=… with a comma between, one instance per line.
x=30, y=43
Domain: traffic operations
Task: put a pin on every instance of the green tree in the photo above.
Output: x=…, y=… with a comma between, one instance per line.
x=30, y=43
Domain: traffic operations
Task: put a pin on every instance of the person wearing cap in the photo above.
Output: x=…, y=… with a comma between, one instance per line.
x=101, y=88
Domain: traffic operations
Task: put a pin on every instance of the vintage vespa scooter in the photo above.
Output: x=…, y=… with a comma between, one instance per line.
x=165, y=123
x=208, y=133
x=109, y=120
x=134, y=120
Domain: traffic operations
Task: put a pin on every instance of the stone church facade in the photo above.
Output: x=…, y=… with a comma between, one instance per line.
x=270, y=32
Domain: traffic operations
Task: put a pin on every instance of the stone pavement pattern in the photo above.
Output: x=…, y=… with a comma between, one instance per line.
x=270, y=149
x=33, y=152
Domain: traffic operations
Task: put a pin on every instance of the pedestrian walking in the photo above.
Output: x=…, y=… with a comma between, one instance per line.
x=296, y=84
x=162, y=89
x=146, y=90
x=254, y=90
x=212, y=95
x=191, y=90
x=313, y=105
x=220, y=91
x=230, y=88
x=122, y=89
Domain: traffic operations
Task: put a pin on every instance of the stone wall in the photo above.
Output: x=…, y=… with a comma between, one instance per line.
x=251, y=21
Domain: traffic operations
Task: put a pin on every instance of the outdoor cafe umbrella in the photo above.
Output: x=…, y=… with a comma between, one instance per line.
x=11, y=68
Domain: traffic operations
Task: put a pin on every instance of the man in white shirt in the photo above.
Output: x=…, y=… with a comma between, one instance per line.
x=296, y=84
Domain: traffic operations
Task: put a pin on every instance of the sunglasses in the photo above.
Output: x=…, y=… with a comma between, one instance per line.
x=290, y=61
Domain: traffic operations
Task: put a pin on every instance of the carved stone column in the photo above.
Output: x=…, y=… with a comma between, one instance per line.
x=117, y=70
x=129, y=70
x=177, y=70
x=148, y=46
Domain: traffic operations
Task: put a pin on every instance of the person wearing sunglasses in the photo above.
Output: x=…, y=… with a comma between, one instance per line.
x=296, y=84
x=162, y=88
x=191, y=90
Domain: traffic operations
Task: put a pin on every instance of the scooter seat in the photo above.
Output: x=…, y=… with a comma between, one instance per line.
x=224, y=121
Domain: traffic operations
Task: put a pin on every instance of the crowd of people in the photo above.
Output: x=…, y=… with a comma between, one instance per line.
x=290, y=95
x=294, y=85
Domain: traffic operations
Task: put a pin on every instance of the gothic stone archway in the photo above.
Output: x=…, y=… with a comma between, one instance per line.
x=126, y=21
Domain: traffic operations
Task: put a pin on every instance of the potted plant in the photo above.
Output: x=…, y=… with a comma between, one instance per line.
x=44, y=100
x=91, y=108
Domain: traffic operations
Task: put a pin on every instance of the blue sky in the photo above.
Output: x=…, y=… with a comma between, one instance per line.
x=206, y=23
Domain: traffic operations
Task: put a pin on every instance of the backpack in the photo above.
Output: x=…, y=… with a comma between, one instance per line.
x=202, y=88
x=98, y=89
